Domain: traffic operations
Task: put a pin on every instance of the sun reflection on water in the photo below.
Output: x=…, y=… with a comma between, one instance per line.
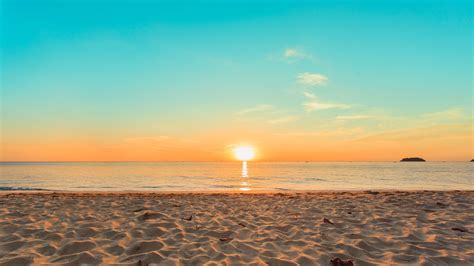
x=244, y=186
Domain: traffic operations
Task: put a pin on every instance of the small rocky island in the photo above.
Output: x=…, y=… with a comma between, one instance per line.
x=413, y=159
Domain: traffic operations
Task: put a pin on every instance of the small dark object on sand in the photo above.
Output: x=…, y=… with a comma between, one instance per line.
x=373, y=192
x=339, y=262
x=145, y=216
x=349, y=212
x=225, y=239
x=139, y=210
x=460, y=229
x=189, y=218
x=327, y=221
x=242, y=224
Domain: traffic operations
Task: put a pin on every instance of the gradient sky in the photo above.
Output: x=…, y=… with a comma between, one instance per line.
x=182, y=80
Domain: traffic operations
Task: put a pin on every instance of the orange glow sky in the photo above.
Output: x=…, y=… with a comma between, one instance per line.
x=297, y=80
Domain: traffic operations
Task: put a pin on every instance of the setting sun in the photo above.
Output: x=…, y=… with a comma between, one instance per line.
x=244, y=153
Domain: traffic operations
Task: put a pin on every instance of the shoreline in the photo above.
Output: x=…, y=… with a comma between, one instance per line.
x=218, y=192
x=276, y=228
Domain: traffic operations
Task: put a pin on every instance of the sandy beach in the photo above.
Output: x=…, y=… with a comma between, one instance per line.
x=310, y=228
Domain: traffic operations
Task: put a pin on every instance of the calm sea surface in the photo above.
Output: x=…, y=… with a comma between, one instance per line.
x=192, y=176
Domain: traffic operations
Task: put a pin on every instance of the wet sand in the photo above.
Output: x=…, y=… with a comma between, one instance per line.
x=311, y=228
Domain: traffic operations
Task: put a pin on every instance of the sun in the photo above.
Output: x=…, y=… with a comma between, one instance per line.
x=244, y=153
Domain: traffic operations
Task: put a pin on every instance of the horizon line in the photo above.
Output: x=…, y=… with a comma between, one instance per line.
x=221, y=161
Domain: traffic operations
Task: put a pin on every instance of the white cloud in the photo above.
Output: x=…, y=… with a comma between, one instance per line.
x=284, y=119
x=294, y=53
x=309, y=95
x=311, y=79
x=257, y=108
x=315, y=106
x=353, y=117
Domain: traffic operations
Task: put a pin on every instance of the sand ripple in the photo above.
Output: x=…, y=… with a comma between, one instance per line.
x=369, y=228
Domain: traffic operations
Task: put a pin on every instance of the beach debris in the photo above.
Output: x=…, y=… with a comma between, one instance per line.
x=327, y=221
x=463, y=230
x=349, y=212
x=190, y=218
x=440, y=204
x=145, y=216
x=226, y=239
x=150, y=215
x=340, y=262
x=139, y=210
x=372, y=192
x=242, y=224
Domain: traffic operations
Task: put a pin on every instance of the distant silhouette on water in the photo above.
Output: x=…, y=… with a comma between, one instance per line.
x=413, y=159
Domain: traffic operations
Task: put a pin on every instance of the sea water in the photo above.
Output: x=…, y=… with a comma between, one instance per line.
x=231, y=176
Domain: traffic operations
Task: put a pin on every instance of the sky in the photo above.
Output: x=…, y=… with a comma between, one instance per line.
x=191, y=80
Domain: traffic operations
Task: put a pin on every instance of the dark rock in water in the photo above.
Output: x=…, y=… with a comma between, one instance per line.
x=413, y=159
x=472, y=160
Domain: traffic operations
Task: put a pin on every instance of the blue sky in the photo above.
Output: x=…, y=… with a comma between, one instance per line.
x=111, y=71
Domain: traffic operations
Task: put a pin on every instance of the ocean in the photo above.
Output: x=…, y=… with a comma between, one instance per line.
x=234, y=176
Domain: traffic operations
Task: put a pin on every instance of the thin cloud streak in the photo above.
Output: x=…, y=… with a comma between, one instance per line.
x=311, y=79
x=315, y=106
x=257, y=108
x=284, y=119
x=309, y=95
x=353, y=117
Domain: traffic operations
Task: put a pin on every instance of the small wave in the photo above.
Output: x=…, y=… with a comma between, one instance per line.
x=20, y=188
x=91, y=187
x=280, y=188
x=225, y=186
x=315, y=179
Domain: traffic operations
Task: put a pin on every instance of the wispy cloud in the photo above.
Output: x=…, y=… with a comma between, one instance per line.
x=284, y=119
x=336, y=132
x=453, y=113
x=315, y=106
x=293, y=54
x=257, y=108
x=311, y=79
x=353, y=117
x=422, y=133
x=309, y=95
x=149, y=140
